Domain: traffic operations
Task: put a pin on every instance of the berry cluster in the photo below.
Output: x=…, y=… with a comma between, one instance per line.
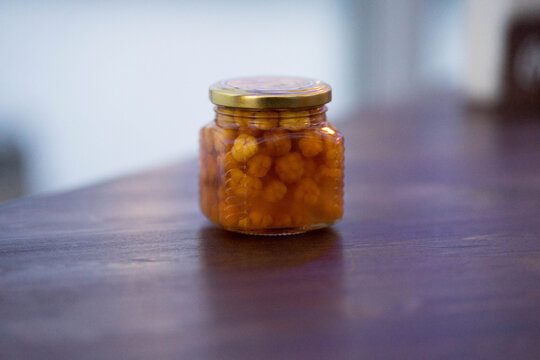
x=278, y=170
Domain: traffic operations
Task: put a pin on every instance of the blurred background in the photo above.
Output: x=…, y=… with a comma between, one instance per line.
x=91, y=90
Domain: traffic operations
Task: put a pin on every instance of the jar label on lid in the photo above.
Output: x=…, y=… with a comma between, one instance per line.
x=264, y=92
x=268, y=83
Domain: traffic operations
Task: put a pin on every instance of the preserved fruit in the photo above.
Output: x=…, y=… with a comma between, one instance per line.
x=271, y=170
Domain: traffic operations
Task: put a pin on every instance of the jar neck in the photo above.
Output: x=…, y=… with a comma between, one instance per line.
x=289, y=119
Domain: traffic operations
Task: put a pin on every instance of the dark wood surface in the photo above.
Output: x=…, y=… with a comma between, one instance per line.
x=438, y=256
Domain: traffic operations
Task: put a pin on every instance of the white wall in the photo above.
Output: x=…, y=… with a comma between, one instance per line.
x=97, y=89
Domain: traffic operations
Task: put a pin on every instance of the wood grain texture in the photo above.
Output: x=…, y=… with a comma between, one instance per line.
x=438, y=256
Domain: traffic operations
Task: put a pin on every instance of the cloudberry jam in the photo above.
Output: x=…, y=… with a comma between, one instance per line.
x=270, y=162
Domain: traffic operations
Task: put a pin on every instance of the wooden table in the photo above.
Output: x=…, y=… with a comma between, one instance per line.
x=438, y=256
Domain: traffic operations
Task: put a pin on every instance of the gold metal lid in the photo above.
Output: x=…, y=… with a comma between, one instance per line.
x=270, y=92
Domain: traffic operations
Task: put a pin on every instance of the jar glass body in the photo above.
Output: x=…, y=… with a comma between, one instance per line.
x=271, y=171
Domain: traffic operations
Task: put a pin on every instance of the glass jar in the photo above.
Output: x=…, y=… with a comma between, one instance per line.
x=270, y=163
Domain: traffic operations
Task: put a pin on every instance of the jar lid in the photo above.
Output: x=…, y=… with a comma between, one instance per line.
x=270, y=92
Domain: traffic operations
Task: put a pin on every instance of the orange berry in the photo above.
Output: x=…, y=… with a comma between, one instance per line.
x=225, y=120
x=307, y=191
x=223, y=139
x=233, y=178
x=294, y=120
x=229, y=214
x=331, y=138
x=310, y=144
x=227, y=162
x=259, y=165
x=243, y=184
x=244, y=222
x=324, y=172
x=318, y=115
x=290, y=167
x=274, y=191
x=245, y=146
x=242, y=117
x=249, y=186
x=259, y=219
x=334, y=157
x=277, y=142
x=250, y=131
x=264, y=120
x=333, y=209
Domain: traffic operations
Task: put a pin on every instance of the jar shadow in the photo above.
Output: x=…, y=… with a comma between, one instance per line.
x=269, y=289
x=222, y=249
